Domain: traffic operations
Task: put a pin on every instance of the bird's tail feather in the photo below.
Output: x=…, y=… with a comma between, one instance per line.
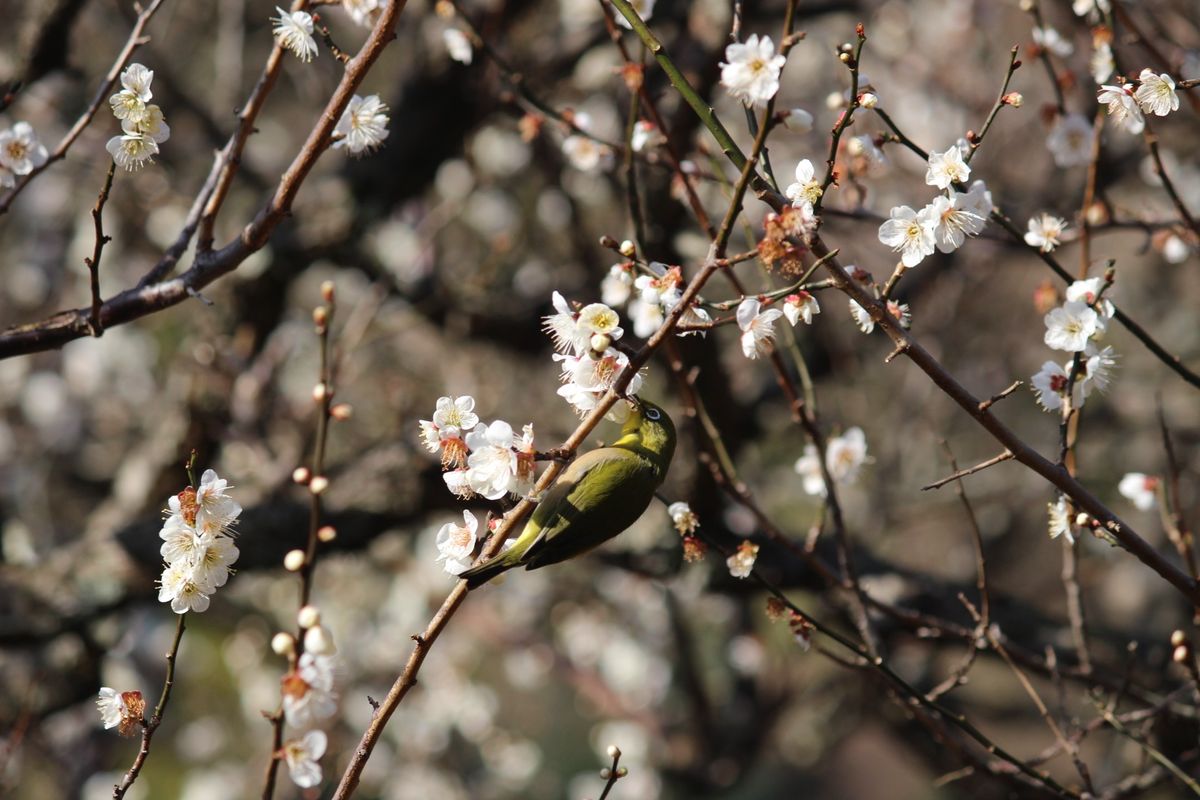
x=481, y=574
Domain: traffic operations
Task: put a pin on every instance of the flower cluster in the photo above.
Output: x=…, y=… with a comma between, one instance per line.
x=308, y=698
x=142, y=124
x=844, y=458
x=948, y=220
x=363, y=125
x=294, y=31
x=20, y=153
x=750, y=72
x=487, y=460
x=1155, y=94
x=198, y=544
x=1075, y=327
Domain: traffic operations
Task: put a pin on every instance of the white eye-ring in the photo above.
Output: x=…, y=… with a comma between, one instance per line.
x=652, y=413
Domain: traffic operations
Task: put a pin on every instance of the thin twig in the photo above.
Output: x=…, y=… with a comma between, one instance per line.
x=962, y=473
x=151, y=725
x=93, y=263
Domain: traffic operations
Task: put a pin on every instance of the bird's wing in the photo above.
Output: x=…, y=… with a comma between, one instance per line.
x=599, y=495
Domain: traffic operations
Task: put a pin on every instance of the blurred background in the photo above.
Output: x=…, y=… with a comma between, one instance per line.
x=445, y=247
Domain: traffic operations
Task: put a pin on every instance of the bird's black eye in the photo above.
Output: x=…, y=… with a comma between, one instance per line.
x=652, y=413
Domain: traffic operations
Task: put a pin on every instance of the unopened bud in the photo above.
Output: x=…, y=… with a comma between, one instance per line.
x=614, y=751
x=320, y=392
x=301, y=475
x=327, y=291
x=318, y=484
x=1180, y=655
x=319, y=642
x=308, y=616
x=868, y=100
x=844, y=58
x=622, y=772
x=834, y=101
x=283, y=644
x=600, y=342
x=326, y=533
x=1082, y=519
x=320, y=318
x=342, y=412
x=628, y=249
x=1014, y=99
x=444, y=9
x=609, y=243
x=1178, y=637
x=294, y=560
x=605, y=774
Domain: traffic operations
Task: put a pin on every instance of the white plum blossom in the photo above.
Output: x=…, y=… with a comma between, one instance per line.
x=132, y=151
x=1070, y=140
x=20, y=151
x=293, y=31
x=664, y=288
x=1070, y=326
x=584, y=153
x=1045, y=231
x=1139, y=488
x=750, y=72
x=1050, y=39
x=806, y=190
x=1050, y=386
x=845, y=456
x=800, y=306
x=121, y=710
x=958, y=215
x=1050, y=383
x=456, y=543
x=741, y=563
x=1101, y=63
x=683, y=518
x=947, y=168
x=1175, y=249
x=598, y=318
x=798, y=120
x=646, y=317
x=1089, y=291
x=644, y=9
x=492, y=465
x=617, y=286
x=1059, y=519
x=694, y=315
x=363, y=125
x=1123, y=109
x=216, y=511
x=363, y=12
x=182, y=588
x=909, y=233
x=308, y=695
x=302, y=756
x=458, y=45
x=586, y=379
x=862, y=318
x=1156, y=93
x=130, y=102
x=646, y=134
x=452, y=417
x=1091, y=8
x=758, y=327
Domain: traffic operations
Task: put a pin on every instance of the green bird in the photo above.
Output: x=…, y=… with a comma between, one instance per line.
x=599, y=495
